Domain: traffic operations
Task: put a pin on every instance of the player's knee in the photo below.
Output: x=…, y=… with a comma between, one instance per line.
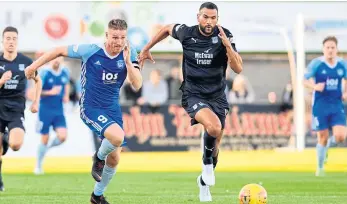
x=116, y=140
x=115, y=135
x=323, y=141
x=15, y=146
x=62, y=137
x=323, y=137
x=214, y=128
x=61, y=134
x=340, y=137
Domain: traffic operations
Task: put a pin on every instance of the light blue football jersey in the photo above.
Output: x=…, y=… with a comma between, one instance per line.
x=332, y=76
x=51, y=78
x=102, y=75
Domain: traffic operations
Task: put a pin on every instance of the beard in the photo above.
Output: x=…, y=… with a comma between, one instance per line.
x=11, y=50
x=203, y=29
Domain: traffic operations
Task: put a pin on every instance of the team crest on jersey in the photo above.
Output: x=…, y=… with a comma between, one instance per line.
x=120, y=63
x=215, y=39
x=340, y=72
x=21, y=67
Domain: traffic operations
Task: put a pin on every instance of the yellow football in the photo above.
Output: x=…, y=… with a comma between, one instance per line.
x=253, y=194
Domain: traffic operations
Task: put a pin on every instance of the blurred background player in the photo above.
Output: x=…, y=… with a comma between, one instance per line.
x=207, y=51
x=55, y=92
x=12, y=94
x=328, y=72
x=100, y=109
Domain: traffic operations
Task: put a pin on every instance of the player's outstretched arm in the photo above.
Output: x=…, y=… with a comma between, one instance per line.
x=310, y=74
x=161, y=35
x=38, y=89
x=45, y=58
x=133, y=70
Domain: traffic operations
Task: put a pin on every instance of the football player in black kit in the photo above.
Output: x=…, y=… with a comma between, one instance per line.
x=208, y=49
x=12, y=94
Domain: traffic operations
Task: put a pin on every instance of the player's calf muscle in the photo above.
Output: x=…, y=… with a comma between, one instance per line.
x=113, y=158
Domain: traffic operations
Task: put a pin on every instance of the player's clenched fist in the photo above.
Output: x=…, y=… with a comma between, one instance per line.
x=145, y=55
x=6, y=76
x=30, y=72
x=319, y=87
x=126, y=52
x=34, y=107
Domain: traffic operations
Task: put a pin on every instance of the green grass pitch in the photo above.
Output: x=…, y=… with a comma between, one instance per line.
x=166, y=188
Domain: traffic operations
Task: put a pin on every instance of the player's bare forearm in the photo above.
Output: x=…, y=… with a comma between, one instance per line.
x=38, y=88
x=47, y=93
x=234, y=60
x=134, y=76
x=161, y=35
x=49, y=56
x=309, y=84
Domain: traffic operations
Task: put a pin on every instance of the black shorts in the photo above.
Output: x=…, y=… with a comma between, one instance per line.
x=219, y=105
x=15, y=122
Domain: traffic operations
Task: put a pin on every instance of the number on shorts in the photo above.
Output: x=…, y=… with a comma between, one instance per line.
x=102, y=119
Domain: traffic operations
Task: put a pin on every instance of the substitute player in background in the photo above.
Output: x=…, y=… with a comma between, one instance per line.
x=55, y=92
x=207, y=51
x=104, y=69
x=12, y=94
x=328, y=72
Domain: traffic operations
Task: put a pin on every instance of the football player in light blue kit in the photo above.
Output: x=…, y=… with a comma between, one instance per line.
x=328, y=111
x=55, y=92
x=104, y=69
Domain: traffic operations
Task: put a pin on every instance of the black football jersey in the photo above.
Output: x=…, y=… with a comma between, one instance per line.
x=12, y=93
x=204, y=60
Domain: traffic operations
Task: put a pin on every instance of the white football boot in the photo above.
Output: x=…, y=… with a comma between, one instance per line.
x=205, y=194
